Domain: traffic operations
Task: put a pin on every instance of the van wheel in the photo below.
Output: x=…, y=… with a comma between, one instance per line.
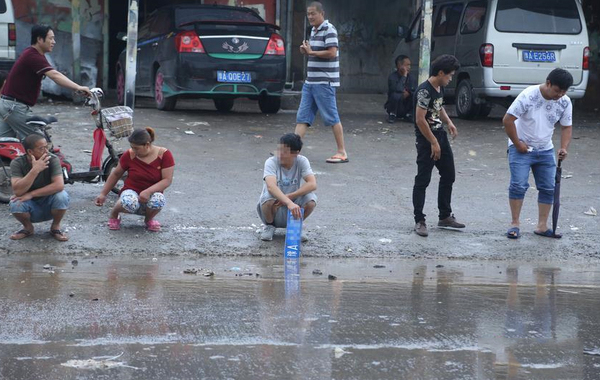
x=269, y=104
x=223, y=105
x=465, y=101
x=163, y=103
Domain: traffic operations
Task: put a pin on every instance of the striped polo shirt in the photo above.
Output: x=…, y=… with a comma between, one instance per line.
x=319, y=70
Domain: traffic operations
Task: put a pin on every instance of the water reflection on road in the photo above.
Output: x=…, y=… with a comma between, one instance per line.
x=404, y=319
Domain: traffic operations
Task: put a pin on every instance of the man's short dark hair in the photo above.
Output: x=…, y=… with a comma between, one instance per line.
x=446, y=63
x=561, y=78
x=292, y=141
x=317, y=5
x=39, y=31
x=30, y=141
x=400, y=58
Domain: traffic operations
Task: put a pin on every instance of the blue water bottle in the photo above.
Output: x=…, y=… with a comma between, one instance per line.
x=292, y=235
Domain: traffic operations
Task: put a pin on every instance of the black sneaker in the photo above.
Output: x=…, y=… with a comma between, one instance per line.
x=450, y=222
x=391, y=118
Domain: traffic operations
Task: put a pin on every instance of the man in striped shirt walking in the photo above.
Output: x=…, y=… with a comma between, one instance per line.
x=323, y=76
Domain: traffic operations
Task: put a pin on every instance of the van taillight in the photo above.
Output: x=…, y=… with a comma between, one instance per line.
x=188, y=42
x=12, y=35
x=275, y=45
x=486, y=54
x=586, y=58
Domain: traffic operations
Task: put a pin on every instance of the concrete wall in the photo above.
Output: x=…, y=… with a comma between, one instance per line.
x=368, y=37
x=57, y=14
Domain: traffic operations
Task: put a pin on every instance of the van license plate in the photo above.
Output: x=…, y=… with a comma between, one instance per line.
x=233, y=76
x=539, y=56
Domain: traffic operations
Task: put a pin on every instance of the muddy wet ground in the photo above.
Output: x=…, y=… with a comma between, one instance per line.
x=365, y=206
x=455, y=305
x=381, y=319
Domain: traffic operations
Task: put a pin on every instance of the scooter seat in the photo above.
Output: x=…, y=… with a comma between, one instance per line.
x=9, y=140
x=40, y=119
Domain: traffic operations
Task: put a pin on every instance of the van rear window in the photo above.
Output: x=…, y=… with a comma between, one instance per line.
x=2, y=6
x=538, y=16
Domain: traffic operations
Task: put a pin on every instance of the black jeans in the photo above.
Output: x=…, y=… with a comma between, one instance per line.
x=425, y=164
x=399, y=106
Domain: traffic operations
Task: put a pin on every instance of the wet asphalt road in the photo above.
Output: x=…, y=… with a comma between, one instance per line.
x=365, y=206
x=404, y=319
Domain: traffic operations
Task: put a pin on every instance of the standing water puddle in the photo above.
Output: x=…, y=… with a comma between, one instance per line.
x=308, y=319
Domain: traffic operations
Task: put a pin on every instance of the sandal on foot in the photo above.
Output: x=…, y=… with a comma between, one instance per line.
x=548, y=233
x=114, y=224
x=21, y=234
x=153, y=225
x=513, y=233
x=337, y=159
x=59, y=235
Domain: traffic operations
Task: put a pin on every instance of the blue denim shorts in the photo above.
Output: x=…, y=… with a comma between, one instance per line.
x=318, y=97
x=40, y=208
x=130, y=200
x=543, y=165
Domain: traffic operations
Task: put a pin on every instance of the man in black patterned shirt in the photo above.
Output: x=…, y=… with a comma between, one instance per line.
x=433, y=147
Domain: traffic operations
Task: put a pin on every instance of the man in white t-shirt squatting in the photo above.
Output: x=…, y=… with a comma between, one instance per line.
x=529, y=124
x=289, y=184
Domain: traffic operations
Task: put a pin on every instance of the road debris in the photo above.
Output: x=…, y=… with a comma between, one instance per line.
x=339, y=352
x=197, y=123
x=99, y=362
x=591, y=212
x=203, y=271
x=317, y=272
x=331, y=277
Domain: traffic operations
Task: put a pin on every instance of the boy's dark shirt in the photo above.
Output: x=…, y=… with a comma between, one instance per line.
x=431, y=100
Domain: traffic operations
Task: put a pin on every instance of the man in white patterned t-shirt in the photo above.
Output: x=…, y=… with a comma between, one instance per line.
x=529, y=124
x=322, y=79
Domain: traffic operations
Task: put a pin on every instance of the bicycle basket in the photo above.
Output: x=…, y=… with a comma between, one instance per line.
x=119, y=121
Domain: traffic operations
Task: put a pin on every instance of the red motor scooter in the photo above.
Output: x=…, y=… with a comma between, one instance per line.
x=119, y=121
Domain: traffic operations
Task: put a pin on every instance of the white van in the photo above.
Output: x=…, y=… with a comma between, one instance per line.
x=503, y=47
x=8, y=35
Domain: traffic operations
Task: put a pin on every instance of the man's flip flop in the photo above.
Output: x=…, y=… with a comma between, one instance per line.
x=548, y=233
x=513, y=233
x=59, y=235
x=21, y=234
x=337, y=159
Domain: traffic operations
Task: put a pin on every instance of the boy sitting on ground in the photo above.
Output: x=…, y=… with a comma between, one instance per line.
x=289, y=184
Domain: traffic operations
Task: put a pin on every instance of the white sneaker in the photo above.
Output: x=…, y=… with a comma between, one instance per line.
x=267, y=233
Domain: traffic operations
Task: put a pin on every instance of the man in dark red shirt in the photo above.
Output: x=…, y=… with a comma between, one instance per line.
x=22, y=87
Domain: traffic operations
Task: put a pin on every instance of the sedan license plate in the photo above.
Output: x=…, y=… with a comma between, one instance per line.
x=539, y=56
x=233, y=76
